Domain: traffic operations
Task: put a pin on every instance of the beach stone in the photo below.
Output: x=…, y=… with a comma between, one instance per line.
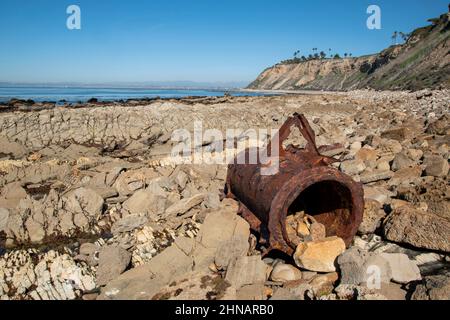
x=351, y=265
x=436, y=166
x=415, y=154
x=252, y=292
x=406, y=175
x=197, y=286
x=212, y=200
x=218, y=228
x=129, y=223
x=145, y=281
x=171, y=264
x=352, y=167
x=35, y=230
x=185, y=244
x=245, y=271
x=374, y=176
x=366, y=154
x=319, y=255
x=4, y=216
x=139, y=283
x=401, y=161
x=398, y=134
x=317, y=231
x=285, y=272
x=236, y=247
x=181, y=179
x=185, y=205
x=105, y=192
x=85, y=201
x=112, y=175
x=403, y=270
x=357, y=266
x=113, y=260
x=383, y=166
x=88, y=248
x=355, y=292
x=373, y=214
x=129, y=182
x=323, y=284
x=146, y=202
x=435, y=287
x=379, y=194
x=14, y=149
x=389, y=147
x=440, y=126
x=418, y=228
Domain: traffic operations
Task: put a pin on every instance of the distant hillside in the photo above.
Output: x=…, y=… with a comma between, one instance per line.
x=423, y=61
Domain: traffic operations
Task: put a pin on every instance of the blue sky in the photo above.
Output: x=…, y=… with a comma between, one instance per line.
x=198, y=40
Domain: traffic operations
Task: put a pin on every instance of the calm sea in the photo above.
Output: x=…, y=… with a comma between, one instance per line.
x=74, y=94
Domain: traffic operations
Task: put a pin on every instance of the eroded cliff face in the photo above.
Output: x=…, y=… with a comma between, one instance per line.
x=332, y=74
x=422, y=62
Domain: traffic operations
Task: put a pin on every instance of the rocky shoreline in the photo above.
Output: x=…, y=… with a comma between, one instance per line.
x=92, y=206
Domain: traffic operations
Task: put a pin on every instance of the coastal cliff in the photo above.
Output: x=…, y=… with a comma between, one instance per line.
x=423, y=61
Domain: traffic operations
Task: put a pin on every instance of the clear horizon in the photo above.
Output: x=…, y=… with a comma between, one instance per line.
x=187, y=41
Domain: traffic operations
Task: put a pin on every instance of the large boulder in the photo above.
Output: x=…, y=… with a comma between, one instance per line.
x=433, y=288
x=113, y=260
x=418, y=228
x=358, y=267
x=319, y=255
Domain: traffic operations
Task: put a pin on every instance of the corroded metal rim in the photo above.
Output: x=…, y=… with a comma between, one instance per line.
x=292, y=189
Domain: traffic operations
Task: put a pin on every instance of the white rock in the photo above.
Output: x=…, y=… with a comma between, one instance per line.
x=285, y=272
x=403, y=269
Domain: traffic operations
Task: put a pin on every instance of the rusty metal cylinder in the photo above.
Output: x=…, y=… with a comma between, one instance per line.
x=304, y=182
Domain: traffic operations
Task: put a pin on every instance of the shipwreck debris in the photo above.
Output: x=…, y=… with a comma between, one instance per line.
x=305, y=182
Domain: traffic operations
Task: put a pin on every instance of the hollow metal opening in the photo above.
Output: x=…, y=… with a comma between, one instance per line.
x=330, y=203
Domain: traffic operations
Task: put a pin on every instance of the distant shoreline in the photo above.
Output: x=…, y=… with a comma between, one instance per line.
x=271, y=91
x=83, y=94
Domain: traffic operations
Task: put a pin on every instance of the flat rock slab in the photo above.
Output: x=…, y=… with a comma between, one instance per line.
x=144, y=282
x=418, y=228
x=403, y=270
x=246, y=270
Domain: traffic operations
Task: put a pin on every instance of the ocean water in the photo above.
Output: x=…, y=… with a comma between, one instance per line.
x=80, y=94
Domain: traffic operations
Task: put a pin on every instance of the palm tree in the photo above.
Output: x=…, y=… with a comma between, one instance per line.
x=394, y=37
x=323, y=55
x=404, y=36
x=345, y=55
